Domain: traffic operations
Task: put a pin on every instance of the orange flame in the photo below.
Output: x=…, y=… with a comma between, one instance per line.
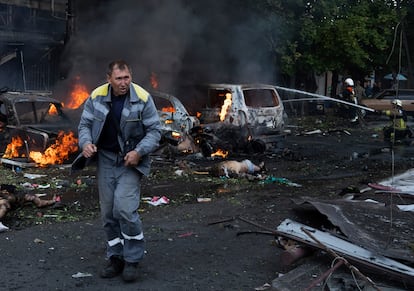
x=52, y=110
x=154, y=82
x=57, y=153
x=12, y=149
x=220, y=153
x=168, y=109
x=66, y=144
x=78, y=96
x=225, y=107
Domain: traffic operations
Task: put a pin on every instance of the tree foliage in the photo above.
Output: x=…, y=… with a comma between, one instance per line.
x=337, y=35
x=347, y=35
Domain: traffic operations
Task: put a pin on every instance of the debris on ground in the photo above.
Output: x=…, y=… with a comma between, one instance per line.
x=3, y=227
x=156, y=200
x=81, y=275
x=341, y=247
x=335, y=198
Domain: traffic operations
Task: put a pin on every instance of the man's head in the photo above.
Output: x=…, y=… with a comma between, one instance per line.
x=119, y=76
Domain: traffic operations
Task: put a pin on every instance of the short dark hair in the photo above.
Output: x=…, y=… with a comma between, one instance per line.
x=120, y=64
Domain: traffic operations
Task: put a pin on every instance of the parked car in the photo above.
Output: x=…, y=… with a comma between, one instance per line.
x=174, y=117
x=382, y=101
x=36, y=117
x=240, y=116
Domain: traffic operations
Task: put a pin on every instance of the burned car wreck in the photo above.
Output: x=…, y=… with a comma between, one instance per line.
x=175, y=120
x=33, y=121
x=239, y=118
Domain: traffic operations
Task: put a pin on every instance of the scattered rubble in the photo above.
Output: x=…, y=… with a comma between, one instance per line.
x=365, y=229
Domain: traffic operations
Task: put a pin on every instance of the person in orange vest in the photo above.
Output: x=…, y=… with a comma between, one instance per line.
x=398, y=129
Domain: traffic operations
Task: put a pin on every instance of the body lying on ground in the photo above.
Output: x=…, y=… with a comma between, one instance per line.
x=234, y=169
x=10, y=199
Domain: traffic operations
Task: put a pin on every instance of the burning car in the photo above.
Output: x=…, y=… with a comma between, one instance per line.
x=36, y=124
x=175, y=120
x=239, y=117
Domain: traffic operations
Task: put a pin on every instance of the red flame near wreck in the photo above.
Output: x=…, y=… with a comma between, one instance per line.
x=57, y=153
x=78, y=96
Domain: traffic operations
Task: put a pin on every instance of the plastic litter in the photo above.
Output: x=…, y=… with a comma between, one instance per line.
x=28, y=185
x=271, y=179
x=157, y=200
x=201, y=199
x=179, y=172
x=43, y=186
x=81, y=275
x=33, y=176
x=3, y=227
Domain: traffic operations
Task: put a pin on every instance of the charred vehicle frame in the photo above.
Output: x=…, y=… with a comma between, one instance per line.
x=239, y=117
x=35, y=117
x=175, y=120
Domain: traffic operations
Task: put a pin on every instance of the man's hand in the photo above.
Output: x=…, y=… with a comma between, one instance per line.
x=132, y=159
x=89, y=150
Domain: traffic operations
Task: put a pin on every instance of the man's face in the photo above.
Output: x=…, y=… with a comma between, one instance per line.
x=120, y=80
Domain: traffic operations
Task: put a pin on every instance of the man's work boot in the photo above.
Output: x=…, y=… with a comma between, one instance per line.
x=114, y=267
x=130, y=273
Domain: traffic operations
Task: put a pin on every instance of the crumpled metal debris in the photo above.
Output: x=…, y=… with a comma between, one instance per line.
x=368, y=225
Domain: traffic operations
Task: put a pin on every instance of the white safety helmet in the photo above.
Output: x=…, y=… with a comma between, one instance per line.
x=397, y=102
x=349, y=82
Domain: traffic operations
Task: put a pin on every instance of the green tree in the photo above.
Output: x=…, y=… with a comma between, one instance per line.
x=347, y=36
x=344, y=36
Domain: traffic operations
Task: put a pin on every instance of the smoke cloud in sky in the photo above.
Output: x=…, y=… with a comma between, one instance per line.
x=182, y=42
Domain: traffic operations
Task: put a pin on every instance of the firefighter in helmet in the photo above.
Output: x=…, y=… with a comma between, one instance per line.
x=348, y=94
x=398, y=129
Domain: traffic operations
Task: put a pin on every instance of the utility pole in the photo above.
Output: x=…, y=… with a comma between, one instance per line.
x=404, y=43
x=407, y=52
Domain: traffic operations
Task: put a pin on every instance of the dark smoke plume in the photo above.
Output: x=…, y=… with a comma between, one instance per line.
x=181, y=42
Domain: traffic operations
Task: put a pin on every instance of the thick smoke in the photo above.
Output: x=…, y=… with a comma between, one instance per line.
x=181, y=42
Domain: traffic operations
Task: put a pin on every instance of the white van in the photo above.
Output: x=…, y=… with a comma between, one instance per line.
x=256, y=105
x=257, y=108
